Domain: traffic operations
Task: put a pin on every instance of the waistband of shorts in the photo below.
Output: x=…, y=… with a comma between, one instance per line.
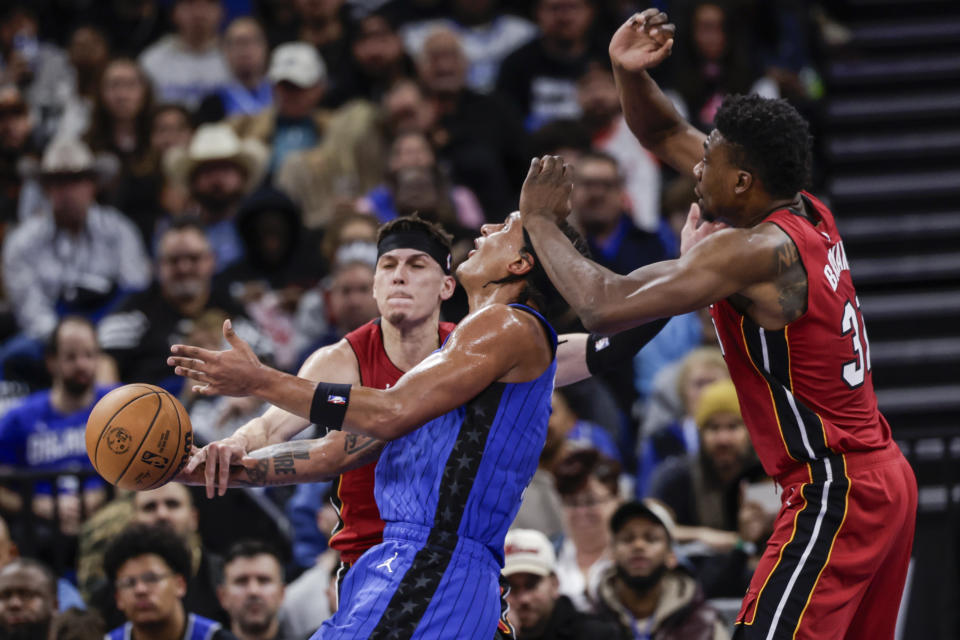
x=855, y=461
x=438, y=540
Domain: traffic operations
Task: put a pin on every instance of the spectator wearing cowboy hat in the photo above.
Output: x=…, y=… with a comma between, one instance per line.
x=319, y=156
x=218, y=169
x=77, y=257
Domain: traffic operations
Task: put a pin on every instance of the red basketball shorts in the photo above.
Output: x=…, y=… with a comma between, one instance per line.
x=835, y=566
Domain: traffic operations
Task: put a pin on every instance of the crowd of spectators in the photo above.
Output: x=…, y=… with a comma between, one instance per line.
x=168, y=164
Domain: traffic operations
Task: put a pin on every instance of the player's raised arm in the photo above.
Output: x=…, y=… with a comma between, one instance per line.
x=719, y=265
x=496, y=343
x=642, y=42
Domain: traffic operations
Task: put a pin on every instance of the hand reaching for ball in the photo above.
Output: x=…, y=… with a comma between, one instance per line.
x=234, y=372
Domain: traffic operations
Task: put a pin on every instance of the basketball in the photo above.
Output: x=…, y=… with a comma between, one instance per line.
x=138, y=437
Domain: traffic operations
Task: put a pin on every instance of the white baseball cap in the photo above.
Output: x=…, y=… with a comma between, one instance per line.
x=298, y=63
x=528, y=551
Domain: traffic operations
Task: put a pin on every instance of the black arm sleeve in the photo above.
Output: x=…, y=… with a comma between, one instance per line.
x=605, y=353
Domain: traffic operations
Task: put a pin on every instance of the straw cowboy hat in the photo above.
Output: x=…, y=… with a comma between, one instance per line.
x=217, y=143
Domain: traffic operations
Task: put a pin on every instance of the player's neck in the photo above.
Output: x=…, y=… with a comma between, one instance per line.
x=65, y=402
x=480, y=297
x=407, y=345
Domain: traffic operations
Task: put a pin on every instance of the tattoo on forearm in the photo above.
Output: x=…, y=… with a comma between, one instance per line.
x=791, y=281
x=257, y=475
x=354, y=443
x=285, y=463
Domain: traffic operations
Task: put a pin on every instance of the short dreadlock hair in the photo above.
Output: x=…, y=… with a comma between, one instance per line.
x=770, y=139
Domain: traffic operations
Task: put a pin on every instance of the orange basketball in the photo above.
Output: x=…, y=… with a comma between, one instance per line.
x=138, y=437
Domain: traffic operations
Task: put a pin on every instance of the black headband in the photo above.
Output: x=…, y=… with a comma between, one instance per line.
x=419, y=241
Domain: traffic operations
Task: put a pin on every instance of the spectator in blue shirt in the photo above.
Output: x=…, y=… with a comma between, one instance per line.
x=46, y=432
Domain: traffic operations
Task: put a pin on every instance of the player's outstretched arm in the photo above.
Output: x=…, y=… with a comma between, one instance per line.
x=495, y=343
x=315, y=460
x=218, y=459
x=643, y=42
x=581, y=355
x=719, y=265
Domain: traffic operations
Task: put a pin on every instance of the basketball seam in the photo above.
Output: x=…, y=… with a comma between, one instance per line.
x=96, y=449
x=143, y=439
x=176, y=455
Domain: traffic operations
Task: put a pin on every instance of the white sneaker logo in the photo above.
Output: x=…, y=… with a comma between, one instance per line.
x=386, y=563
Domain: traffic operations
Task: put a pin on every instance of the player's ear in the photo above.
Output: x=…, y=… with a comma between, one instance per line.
x=448, y=287
x=744, y=182
x=522, y=264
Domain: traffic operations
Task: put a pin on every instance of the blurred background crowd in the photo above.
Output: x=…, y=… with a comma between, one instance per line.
x=166, y=164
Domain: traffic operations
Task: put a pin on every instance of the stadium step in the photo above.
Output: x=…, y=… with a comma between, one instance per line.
x=864, y=147
x=902, y=185
x=897, y=34
x=914, y=69
x=906, y=268
x=883, y=108
x=898, y=315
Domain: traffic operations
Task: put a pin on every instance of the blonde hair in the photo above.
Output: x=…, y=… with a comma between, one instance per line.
x=701, y=356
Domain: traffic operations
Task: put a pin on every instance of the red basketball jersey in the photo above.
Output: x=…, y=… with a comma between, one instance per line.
x=360, y=525
x=806, y=391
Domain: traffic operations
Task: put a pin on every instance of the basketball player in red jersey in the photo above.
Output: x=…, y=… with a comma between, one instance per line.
x=790, y=326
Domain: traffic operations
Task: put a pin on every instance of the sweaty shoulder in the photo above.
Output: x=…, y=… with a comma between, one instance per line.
x=511, y=334
x=332, y=363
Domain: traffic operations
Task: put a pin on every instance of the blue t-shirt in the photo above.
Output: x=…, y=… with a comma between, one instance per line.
x=35, y=436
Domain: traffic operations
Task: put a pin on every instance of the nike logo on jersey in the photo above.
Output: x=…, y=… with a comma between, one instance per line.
x=386, y=563
x=836, y=264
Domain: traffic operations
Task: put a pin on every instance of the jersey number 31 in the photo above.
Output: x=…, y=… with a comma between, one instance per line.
x=854, y=371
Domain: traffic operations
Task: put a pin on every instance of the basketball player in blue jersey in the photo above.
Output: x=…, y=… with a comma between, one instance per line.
x=449, y=489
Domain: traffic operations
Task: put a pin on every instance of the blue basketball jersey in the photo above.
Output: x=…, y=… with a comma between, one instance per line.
x=462, y=475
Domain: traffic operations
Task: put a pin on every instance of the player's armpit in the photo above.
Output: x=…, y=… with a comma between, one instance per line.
x=497, y=343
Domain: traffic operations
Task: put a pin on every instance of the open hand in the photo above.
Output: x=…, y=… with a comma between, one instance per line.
x=546, y=190
x=234, y=372
x=696, y=229
x=642, y=42
x=210, y=465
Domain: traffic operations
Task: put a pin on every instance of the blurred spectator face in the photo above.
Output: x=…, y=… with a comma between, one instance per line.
x=417, y=191
x=587, y=512
x=147, y=591
x=474, y=11
x=28, y=602
x=350, y=297
x=411, y=150
x=14, y=120
x=171, y=128
x=442, y=64
x=598, y=97
x=185, y=270
x=218, y=185
x=18, y=22
x=377, y=47
x=409, y=286
x=197, y=20
x=88, y=49
x=170, y=505
x=75, y=362
x=564, y=22
x=642, y=552
x=123, y=90
x=724, y=440
x=597, y=196
x=275, y=236
x=709, y=36
x=699, y=376
x=322, y=10
x=531, y=599
x=252, y=592
x=296, y=102
x=406, y=108
x=245, y=48
x=70, y=197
